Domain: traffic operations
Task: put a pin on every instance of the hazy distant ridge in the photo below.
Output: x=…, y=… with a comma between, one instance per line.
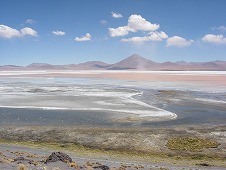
x=134, y=62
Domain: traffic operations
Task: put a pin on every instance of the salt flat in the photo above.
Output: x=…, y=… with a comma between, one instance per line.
x=127, y=95
x=74, y=96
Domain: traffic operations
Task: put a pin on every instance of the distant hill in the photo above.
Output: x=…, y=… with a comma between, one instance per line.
x=10, y=67
x=44, y=66
x=134, y=62
x=90, y=65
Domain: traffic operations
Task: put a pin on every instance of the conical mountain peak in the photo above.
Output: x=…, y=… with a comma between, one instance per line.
x=135, y=62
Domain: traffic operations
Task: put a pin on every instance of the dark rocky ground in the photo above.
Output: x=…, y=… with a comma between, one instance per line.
x=198, y=147
x=24, y=158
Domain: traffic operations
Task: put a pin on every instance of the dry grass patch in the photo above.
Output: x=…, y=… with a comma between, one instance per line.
x=74, y=165
x=22, y=167
x=191, y=143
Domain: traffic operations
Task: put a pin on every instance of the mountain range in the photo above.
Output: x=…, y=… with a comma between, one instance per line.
x=134, y=62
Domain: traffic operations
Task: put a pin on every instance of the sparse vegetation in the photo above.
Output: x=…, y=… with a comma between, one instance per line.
x=179, y=146
x=22, y=167
x=190, y=143
x=74, y=165
x=170, y=158
x=163, y=168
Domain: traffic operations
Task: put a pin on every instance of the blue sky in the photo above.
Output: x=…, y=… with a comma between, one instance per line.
x=75, y=31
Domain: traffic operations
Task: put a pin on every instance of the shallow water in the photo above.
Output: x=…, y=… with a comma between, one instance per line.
x=99, y=102
x=191, y=107
x=36, y=117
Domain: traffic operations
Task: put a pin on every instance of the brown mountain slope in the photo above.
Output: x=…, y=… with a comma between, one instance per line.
x=134, y=62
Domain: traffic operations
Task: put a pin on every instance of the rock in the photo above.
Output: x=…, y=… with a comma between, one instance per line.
x=58, y=156
x=103, y=167
x=203, y=164
x=19, y=159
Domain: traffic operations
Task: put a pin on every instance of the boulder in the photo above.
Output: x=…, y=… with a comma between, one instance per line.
x=103, y=167
x=58, y=156
x=19, y=159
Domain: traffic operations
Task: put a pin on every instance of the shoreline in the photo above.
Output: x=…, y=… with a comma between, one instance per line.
x=202, y=77
x=137, y=115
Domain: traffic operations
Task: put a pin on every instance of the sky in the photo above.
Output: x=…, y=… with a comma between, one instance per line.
x=76, y=31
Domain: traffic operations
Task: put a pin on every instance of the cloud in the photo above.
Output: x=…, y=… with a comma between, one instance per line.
x=103, y=22
x=116, y=15
x=221, y=28
x=8, y=32
x=30, y=21
x=58, y=32
x=178, y=42
x=120, y=31
x=87, y=37
x=214, y=39
x=28, y=31
x=153, y=36
x=135, y=23
x=157, y=36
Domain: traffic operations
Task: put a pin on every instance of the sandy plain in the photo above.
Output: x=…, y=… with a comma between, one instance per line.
x=203, y=77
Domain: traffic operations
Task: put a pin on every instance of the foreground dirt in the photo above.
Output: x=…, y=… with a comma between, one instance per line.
x=24, y=158
x=197, y=145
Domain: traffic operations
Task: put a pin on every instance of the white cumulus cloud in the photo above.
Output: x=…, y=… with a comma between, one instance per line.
x=87, y=37
x=120, y=31
x=136, y=39
x=58, y=32
x=116, y=15
x=215, y=39
x=178, y=42
x=28, y=31
x=135, y=23
x=8, y=32
x=153, y=36
x=157, y=36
